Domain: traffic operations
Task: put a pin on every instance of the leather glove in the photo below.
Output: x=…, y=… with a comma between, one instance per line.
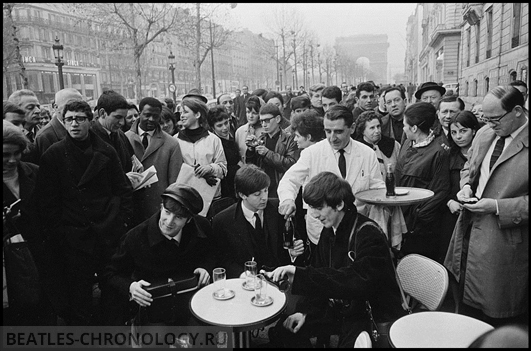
x=211, y=179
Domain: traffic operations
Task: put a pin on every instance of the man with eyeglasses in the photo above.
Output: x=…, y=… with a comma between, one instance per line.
x=87, y=206
x=278, y=152
x=489, y=250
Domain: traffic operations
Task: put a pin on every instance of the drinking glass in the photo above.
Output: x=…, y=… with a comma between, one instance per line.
x=260, y=289
x=251, y=269
x=219, y=275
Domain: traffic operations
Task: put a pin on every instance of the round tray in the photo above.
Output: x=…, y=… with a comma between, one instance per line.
x=377, y=196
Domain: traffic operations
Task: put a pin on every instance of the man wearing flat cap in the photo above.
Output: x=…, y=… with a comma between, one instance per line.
x=173, y=243
x=430, y=92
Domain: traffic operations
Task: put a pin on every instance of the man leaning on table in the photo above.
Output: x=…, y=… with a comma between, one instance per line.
x=489, y=249
x=173, y=243
x=351, y=265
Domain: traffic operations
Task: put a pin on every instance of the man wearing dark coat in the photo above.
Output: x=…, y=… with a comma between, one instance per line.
x=173, y=243
x=240, y=105
x=86, y=203
x=352, y=265
x=241, y=236
x=112, y=110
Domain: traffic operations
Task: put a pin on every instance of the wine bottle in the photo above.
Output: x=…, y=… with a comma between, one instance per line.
x=390, y=182
x=288, y=234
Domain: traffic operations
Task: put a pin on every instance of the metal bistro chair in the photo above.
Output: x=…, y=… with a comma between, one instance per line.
x=424, y=280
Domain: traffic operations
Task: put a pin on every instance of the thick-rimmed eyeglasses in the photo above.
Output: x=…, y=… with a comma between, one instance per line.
x=496, y=120
x=79, y=120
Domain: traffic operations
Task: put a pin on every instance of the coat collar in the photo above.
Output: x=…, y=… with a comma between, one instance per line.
x=157, y=140
x=190, y=232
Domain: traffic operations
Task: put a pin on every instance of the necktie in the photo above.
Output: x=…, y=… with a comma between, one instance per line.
x=145, y=140
x=258, y=222
x=260, y=239
x=498, y=149
x=342, y=163
x=113, y=138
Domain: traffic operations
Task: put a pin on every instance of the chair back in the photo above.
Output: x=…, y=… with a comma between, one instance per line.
x=423, y=279
x=219, y=205
x=363, y=341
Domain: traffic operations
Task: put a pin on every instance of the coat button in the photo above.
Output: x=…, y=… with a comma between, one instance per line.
x=517, y=220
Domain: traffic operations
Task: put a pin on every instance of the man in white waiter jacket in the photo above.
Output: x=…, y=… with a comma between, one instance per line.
x=360, y=165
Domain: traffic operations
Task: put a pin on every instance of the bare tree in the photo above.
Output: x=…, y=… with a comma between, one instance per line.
x=11, y=49
x=201, y=34
x=136, y=25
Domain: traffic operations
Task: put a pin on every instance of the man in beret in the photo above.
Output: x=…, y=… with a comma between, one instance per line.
x=430, y=92
x=173, y=243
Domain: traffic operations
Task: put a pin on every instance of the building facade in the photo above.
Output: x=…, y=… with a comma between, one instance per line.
x=478, y=45
x=92, y=64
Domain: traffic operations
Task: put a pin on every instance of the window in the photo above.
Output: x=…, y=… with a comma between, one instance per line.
x=467, y=87
x=76, y=78
x=487, y=86
x=477, y=41
x=489, y=33
x=475, y=93
x=517, y=7
x=468, y=44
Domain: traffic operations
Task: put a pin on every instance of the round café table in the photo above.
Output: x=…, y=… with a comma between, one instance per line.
x=436, y=329
x=238, y=312
x=377, y=196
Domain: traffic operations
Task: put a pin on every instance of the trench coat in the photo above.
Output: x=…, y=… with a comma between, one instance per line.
x=496, y=279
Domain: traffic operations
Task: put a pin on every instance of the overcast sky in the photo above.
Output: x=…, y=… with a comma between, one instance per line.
x=331, y=20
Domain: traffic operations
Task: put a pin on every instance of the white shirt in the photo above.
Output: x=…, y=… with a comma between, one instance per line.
x=363, y=173
x=149, y=134
x=249, y=215
x=176, y=237
x=484, y=173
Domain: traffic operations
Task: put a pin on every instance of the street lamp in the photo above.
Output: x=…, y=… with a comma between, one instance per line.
x=171, y=61
x=58, y=52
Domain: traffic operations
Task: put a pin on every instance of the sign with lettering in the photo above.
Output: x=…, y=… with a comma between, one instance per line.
x=31, y=59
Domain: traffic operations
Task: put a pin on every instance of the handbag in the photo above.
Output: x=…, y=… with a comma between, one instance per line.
x=168, y=297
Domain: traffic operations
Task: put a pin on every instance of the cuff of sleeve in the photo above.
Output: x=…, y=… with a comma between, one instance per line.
x=497, y=208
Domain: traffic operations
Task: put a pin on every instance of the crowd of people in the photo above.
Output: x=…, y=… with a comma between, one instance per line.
x=94, y=228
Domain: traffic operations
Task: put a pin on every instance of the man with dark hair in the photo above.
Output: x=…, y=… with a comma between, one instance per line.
x=449, y=107
x=339, y=153
x=279, y=150
x=489, y=250
x=344, y=91
x=55, y=130
x=87, y=207
x=286, y=113
x=331, y=96
x=365, y=98
x=172, y=243
x=14, y=114
x=395, y=102
x=153, y=147
x=252, y=227
x=351, y=271
x=521, y=86
x=112, y=110
x=276, y=98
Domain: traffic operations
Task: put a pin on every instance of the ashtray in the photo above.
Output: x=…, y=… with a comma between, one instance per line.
x=268, y=301
x=401, y=191
x=247, y=287
x=227, y=294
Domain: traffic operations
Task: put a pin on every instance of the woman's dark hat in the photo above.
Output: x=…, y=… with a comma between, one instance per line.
x=194, y=93
x=429, y=86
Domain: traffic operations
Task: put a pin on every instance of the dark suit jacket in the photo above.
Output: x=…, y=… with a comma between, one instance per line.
x=242, y=113
x=122, y=145
x=83, y=205
x=48, y=135
x=232, y=235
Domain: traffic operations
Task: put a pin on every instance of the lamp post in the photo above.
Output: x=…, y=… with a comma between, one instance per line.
x=212, y=60
x=58, y=52
x=278, y=83
x=171, y=61
x=295, y=80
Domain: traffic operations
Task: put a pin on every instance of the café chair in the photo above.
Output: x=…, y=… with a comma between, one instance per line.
x=363, y=341
x=424, y=280
x=219, y=205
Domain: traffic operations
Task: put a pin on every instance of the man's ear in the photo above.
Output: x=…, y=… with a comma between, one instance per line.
x=102, y=113
x=340, y=206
